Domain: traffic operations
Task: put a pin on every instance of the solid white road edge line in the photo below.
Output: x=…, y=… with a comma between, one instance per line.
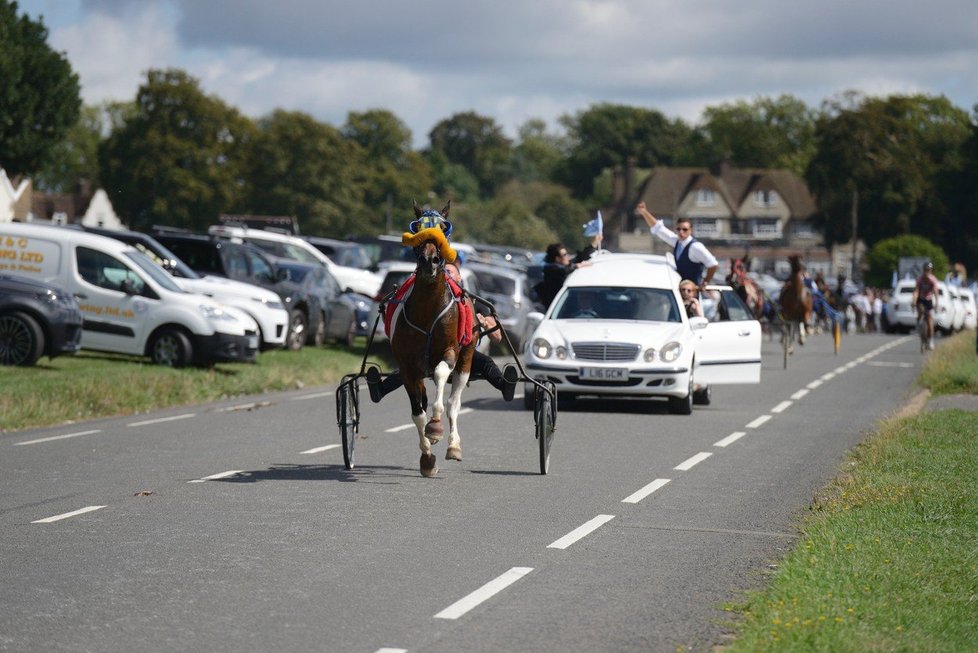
x=635, y=497
x=580, y=532
x=730, y=439
x=214, y=477
x=162, y=419
x=484, y=593
x=320, y=449
x=688, y=464
x=57, y=437
x=73, y=513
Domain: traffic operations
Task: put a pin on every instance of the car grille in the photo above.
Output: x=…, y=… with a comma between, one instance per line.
x=605, y=351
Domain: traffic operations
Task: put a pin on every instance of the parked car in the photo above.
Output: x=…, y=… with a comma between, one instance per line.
x=617, y=328
x=506, y=288
x=129, y=304
x=342, y=252
x=970, y=309
x=957, y=322
x=902, y=314
x=292, y=247
x=332, y=313
x=395, y=272
x=36, y=319
x=263, y=305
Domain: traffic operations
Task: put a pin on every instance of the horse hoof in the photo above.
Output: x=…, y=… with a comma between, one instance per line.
x=434, y=431
x=428, y=467
x=453, y=453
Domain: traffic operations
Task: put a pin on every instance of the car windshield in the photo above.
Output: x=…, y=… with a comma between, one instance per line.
x=646, y=304
x=168, y=260
x=157, y=273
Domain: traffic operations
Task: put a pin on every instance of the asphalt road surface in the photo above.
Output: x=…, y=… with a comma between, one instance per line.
x=235, y=527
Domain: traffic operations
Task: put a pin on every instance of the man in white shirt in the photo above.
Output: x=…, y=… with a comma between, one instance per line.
x=692, y=256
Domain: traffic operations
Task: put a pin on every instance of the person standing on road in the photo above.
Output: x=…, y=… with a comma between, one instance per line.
x=923, y=299
x=693, y=260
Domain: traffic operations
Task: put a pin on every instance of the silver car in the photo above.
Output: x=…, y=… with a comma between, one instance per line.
x=507, y=289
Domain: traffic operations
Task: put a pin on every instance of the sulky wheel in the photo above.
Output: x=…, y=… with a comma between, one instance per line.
x=348, y=416
x=545, y=418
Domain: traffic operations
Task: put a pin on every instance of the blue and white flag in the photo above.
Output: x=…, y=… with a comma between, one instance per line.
x=594, y=227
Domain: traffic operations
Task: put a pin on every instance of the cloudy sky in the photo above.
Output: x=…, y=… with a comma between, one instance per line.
x=517, y=59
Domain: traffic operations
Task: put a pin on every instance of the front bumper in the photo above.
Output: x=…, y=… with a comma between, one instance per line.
x=638, y=381
x=227, y=348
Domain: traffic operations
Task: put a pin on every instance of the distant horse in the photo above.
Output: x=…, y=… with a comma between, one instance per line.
x=428, y=342
x=796, y=301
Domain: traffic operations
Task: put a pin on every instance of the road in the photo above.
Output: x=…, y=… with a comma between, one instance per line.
x=231, y=526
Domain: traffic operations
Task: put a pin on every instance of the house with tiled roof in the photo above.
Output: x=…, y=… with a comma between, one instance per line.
x=767, y=213
x=23, y=204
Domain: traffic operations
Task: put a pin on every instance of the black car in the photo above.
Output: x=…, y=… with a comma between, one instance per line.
x=36, y=319
x=333, y=313
x=243, y=262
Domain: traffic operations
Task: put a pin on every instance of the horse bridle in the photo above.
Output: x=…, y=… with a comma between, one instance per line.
x=429, y=333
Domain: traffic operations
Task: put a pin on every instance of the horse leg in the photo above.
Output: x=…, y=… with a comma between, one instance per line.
x=801, y=332
x=434, y=430
x=416, y=395
x=454, y=451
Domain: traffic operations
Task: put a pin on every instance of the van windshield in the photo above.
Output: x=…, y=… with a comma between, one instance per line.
x=155, y=272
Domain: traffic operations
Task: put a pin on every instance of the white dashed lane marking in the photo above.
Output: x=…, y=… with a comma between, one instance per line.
x=57, y=437
x=730, y=439
x=688, y=464
x=635, y=497
x=580, y=532
x=484, y=593
x=783, y=406
x=214, y=477
x=320, y=449
x=758, y=422
x=160, y=420
x=73, y=513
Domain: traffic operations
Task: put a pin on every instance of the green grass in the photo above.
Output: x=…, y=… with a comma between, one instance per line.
x=888, y=560
x=90, y=385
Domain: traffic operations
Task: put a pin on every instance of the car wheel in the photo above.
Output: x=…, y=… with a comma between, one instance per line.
x=319, y=335
x=683, y=405
x=297, y=331
x=171, y=348
x=21, y=339
x=351, y=334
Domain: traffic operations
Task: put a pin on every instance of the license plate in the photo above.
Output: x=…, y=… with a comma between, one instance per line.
x=604, y=373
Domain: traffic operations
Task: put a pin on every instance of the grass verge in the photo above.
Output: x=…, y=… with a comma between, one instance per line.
x=90, y=385
x=889, y=556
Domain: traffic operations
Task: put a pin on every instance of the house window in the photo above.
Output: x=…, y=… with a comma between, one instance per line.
x=804, y=230
x=706, y=197
x=767, y=229
x=706, y=227
x=765, y=198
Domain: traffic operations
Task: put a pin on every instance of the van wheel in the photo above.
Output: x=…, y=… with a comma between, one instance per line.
x=21, y=339
x=297, y=331
x=172, y=348
x=351, y=334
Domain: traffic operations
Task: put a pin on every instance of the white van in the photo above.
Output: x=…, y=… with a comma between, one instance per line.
x=361, y=281
x=129, y=304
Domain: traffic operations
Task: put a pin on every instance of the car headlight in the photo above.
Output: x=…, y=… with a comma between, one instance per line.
x=270, y=303
x=214, y=312
x=671, y=352
x=649, y=355
x=541, y=348
x=49, y=296
x=561, y=352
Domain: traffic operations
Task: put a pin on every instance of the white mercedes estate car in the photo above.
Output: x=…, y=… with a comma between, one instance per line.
x=618, y=328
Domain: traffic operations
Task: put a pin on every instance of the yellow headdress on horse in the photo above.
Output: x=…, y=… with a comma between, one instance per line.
x=431, y=225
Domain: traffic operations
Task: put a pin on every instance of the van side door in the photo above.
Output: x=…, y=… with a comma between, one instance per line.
x=114, y=300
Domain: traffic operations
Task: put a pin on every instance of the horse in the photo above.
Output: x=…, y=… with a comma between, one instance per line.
x=427, y=342
x=796, y=301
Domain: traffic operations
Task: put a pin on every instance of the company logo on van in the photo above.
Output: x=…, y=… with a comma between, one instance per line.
x=16, y=255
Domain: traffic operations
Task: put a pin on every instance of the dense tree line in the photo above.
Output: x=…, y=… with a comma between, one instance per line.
x=907, y=164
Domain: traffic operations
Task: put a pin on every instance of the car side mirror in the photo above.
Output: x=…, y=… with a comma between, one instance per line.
x=697, y=323
x=128, y=287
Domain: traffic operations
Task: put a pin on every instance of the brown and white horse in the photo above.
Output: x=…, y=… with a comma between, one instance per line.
x=745, y=287
x=426, y=343
x=796, y=301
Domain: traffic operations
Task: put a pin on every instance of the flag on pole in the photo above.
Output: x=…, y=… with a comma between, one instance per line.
x=594, y=227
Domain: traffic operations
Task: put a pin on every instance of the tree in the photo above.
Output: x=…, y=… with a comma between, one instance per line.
x=883, y=258
x=477, y=143
x=39, y=93
x=505, y=220
x=537, y=155
x=766, y=133
x=960, y=187
x=301, y=167
x=73, y=161
x=179, y=158
x=608, y=135
x=392, y=173
x=889, y=151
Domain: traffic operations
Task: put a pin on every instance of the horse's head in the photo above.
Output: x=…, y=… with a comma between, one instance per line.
x=430, y=261
x=738, y=272
x=428, y=218
x=795, y=261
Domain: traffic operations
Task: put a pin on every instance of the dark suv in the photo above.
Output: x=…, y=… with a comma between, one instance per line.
x=36, y=319
x=242, y=262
